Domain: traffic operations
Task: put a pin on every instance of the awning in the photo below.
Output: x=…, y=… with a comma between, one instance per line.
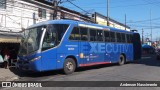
x=10, y=40
x=6, y=37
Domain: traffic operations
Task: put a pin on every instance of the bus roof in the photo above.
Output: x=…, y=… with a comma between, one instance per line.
x=77, y=23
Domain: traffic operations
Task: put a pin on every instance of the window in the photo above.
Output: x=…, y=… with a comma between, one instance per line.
x=129, y=38
x=92, y=35
x=99, y=35
x=107, y=36
x=75, y=34
x=123, y=37
x=42, y=13
x=2, y=4
x=119, y=37
x=51, y=16
x=61, y=29
x=112, y=37
x=53, y=35
x=84, y=34
x=32, y=40
x=49, y=40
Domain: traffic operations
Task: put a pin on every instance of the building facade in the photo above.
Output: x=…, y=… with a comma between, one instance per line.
x=102, y=20
x=18, y=14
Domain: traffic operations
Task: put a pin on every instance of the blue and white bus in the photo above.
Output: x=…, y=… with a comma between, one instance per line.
x=69, y=44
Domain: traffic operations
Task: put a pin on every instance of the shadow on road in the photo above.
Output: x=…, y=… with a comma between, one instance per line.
x=33, y=75
x=149, y=60
x=53, y=73
x=96, y=67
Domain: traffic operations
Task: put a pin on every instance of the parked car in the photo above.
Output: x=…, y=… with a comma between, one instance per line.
x=158, y=54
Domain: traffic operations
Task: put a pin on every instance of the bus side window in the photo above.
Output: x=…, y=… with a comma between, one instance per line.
x=119, y=37
x=128, y=38
x=84, y=34
x=99, y=35
x=92, y=33
x=107, y=36
x=75, y=34
x=123, y=37
x=131, y=38
x=112, y=35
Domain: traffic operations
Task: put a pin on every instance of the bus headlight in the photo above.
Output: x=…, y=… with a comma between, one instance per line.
x=37, y=58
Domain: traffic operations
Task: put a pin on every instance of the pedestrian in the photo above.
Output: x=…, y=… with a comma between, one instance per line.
x=1, y=59
x=6, y=61
x=6, y=58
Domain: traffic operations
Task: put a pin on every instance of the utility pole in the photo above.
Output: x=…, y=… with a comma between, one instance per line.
x=107, y=12
x=142, y=36
x=56, y=8
x=151, y=24
x=55, y=3
x=125, y=21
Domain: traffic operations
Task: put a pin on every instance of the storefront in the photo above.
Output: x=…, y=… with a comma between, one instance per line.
x=11, y=43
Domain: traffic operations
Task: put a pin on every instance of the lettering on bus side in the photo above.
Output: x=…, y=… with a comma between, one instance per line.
x=109, y=48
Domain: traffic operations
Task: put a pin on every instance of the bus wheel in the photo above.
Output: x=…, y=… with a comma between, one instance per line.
x=121, y=60
x=69, y=66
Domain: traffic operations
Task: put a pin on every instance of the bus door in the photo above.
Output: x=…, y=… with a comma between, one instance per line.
x=93, y=54
x=84, y=46
x=48, y=53
x=108, y=46
x=100, y=47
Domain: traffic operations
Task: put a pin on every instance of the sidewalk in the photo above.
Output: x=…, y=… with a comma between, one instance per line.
x=7, y=75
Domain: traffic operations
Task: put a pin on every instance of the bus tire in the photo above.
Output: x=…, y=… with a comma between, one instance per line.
x=121, y=60
x=69, y=66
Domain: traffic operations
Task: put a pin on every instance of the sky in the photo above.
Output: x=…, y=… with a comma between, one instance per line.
x=140, y=14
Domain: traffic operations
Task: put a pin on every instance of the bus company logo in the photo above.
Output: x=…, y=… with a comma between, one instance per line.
x=6, y=84
x=109, y=48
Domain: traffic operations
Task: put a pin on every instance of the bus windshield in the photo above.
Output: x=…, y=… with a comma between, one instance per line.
x=52, y=38
x=32, y=40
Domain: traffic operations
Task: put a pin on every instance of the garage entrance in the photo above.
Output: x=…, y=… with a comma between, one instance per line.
x=12, y=44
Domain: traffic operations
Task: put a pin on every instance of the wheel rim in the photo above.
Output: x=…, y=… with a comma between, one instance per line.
x=121, y=60
x=69, y=66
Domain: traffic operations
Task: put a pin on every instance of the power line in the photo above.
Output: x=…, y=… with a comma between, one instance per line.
x=145, y=20
x=135, y=5
x=124, y=6
x=78, y=7
x=152, y=2
x=144, y=25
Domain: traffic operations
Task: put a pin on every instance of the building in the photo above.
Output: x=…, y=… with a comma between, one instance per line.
x=102, y=20
x=17, y=15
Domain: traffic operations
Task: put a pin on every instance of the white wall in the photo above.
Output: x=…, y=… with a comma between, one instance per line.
x=19, y=14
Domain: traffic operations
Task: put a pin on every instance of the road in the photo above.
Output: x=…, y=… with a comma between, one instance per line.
x=146, y=69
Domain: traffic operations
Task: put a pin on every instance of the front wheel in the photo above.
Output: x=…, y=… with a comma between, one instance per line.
x=121, y=60
x=69, y=66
